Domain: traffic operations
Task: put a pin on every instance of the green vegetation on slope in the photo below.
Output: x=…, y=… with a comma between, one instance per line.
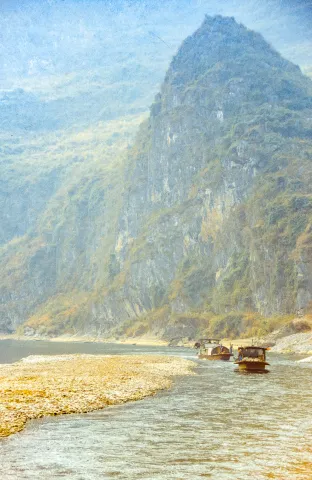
x=232, y=232
x=66, y=228
x=203, y=227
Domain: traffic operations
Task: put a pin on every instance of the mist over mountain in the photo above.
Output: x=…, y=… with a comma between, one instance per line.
x=92, y=60
x=200, y=224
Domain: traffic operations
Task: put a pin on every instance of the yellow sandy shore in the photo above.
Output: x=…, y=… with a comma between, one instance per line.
x=148, y=340
x=239, y=342
x=53, y=385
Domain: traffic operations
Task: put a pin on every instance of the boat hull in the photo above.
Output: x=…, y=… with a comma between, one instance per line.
x=252, y=366
x=225, y=357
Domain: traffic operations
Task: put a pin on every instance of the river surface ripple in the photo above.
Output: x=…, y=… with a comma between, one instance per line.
x=218, y=424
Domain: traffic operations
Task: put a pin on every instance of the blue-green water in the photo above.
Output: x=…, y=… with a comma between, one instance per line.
x=218, y=424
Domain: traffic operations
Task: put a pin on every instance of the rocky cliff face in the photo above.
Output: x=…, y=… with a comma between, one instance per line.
x=211, y=231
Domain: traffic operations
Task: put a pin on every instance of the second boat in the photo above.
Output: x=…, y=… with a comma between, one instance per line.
x=211, y=349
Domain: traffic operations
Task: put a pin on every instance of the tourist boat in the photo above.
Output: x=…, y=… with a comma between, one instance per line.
x=251, y=359
x=211, y=349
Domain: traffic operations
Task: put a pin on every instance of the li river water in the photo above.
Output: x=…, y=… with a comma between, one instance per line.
x=218, y=424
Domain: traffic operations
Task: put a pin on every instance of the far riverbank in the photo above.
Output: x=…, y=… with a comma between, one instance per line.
x=148, y=340
x=288, y=342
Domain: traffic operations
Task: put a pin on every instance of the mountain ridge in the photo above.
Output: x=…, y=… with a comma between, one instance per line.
x=197, y=241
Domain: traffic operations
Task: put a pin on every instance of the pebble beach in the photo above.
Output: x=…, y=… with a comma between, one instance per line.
x=42, y=385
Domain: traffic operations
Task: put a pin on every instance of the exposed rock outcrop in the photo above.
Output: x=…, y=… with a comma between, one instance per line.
x=216, y=217
x=211, y=230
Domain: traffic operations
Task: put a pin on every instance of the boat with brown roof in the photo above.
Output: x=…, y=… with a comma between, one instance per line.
x=252, y=359
x=211, y=349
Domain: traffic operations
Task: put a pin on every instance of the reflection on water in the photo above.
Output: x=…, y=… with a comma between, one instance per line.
x=216, y=424
x=251, y=372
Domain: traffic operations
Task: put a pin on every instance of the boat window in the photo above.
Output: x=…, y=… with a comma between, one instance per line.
x=253, y=352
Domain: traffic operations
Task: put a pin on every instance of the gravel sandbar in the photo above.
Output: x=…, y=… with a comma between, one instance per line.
x=38, y=386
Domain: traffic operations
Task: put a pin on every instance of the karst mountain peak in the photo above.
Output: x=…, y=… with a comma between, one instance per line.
x=204, y=224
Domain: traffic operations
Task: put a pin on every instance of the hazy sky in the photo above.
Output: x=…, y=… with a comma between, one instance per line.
x=63, y=48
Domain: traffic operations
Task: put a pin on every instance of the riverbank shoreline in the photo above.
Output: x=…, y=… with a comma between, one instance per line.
x=45, y=385
x=295, y=343
x=148, y=340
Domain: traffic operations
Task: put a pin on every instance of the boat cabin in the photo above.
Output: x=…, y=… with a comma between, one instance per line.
x=211, y=349
x=206, y=345
x=252, y=353
x=252, y=359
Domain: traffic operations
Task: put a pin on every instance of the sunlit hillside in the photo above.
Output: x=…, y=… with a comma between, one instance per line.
x=78, y=80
